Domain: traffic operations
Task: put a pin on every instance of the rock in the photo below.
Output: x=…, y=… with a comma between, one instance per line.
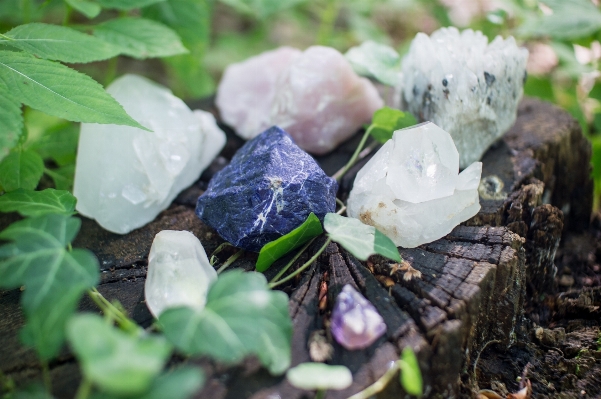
x=124, y=175
x=269, y=188
x=179, y=273
x=356, y=324
x=466, y=86
x=314, y=95
x=411, y=190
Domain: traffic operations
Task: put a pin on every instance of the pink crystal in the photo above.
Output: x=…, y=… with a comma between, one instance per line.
x=356, y=324
x=314, y=95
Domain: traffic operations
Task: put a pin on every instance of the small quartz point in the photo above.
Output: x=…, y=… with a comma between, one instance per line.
x=124, y=175
x=411, y=190
x=179, y=273
x=465, y=85
x=356, y=324
x=314, y=95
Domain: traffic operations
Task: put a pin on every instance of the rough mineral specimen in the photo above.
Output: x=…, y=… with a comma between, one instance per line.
x=466, y=86
x=356, y=324
x=269, y=188
x=411, y=191
x=125, y=176
x=314, y=95
x=179, y=273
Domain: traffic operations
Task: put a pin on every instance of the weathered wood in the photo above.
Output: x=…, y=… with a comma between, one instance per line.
x=471, y=292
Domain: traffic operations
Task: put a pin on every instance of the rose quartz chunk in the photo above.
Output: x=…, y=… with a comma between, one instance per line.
x=314, y=95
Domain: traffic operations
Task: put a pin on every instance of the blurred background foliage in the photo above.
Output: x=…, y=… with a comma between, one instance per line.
x=562, y=37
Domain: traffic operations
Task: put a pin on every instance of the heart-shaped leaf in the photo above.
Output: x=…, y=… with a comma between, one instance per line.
x=38, y=203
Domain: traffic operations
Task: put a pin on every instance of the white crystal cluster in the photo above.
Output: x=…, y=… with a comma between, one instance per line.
x=466, y=86
x=412, y=191
x=179, y=273
x=314, y=95
x=124, y=175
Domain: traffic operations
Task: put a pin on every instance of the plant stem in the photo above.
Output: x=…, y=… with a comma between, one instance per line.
x=112, y=311
x=26, y=6
x=68, y=11
x=85, y=387
x=320, y=394
x=230, y=260
x=298, y=254
x=326, y=24
x=379, y=385
x=111, y=70
x=6, y=37
x=303, y=267
x=217, y=250
x=46, y=377
x=338, y=175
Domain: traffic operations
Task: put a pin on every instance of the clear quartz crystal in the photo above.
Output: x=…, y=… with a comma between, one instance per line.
x=356, y=324
x=179, y=273
x=411, y=189
x=124, y=175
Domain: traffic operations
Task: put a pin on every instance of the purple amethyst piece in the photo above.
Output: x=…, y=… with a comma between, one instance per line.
x=356, y=324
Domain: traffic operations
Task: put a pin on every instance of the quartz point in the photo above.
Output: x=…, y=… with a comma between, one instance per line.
x=411, y=189
x=124, y=175
x=356, y=324
x=465, y=85
x=314, y=95
x=268, y=189
x=179, y=272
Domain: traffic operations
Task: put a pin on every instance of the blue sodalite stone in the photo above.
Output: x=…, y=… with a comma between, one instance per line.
x=269, y=188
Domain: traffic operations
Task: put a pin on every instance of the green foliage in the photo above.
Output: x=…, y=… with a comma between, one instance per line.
x=38, y=203
x=411, y=376
x=376, y=61
x=311, y=376
x=87, y=8
x=242, y=317
x=62, y=177
x=359, y=239
x=117, y=362
x=11, y=123
x=140, y=38
x=126, y=4
x=261, y=8
x=571, y=19
x=58, y=143
x=21, y=169
x=387, y=120
x=274, y=250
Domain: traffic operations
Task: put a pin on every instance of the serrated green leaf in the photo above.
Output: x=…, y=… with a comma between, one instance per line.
x=117, y=362
x=571, y=19
x=411, y=376
x=60, y=91
x=359, y=239
x=21, y=169
x=274, y=250
x=38, y=203
x=387, y=120
x=59, y=43
x=62, y=177
x=312, y=376
x=140, y=38
x=191, y=19
x=376, y=61
x=87, y=8
x=11, y=123
x=126, y=4
x=242, y=317
x=58, y=143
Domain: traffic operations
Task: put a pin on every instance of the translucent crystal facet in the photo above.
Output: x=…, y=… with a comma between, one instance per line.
x=356, y=324
x=124, y=175
x=314, y=95
x=465, y=85
x=411, y=189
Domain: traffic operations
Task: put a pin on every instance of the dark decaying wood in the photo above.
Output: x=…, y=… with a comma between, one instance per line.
x=474, y=281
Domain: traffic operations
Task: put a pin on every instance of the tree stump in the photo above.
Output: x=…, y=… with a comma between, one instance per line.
x=474, y=281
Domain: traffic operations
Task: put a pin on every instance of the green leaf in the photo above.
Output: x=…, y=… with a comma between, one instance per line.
x=21, y=169
x=359, y=239
x=312, y=376
x=140, y=38
x=62, y=177
x=242, y=317
x=571, y=19
x=126, y=4
x=387, y=120
x=11, y=123
x=274, y=250
x=411, y=376
x=191, y=19
x=376, y=61
x=261, y=8
x=58, y=143
x=60, y=91
x=87, y=8
x=38, y=203
x=59, y=43
x=119, y=363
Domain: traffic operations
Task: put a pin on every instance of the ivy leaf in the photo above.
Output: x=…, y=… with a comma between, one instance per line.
x=59, y=43
x=312, y=376
x=11, y=123
x=126, y=4
x=21, y=169
x=117, y=362
x=242, y=317
x=60, y=91
x=87, y=8
x=387, y=120
x=58, y=144
x=411, y=376
x=359, y=239
x=571, y=19
x=376, y=61
x=274, y=250
x=62, y=177
x=140, y=38
x=38, y=203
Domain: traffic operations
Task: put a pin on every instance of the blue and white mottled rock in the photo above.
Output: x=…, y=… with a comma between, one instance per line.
x=269, y=188
x=179, y=272
x=412, y=191
x=124, y=175
x=465, y=85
